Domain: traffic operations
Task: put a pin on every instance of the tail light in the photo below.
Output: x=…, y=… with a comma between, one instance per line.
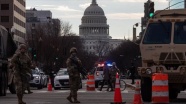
x=97, y=73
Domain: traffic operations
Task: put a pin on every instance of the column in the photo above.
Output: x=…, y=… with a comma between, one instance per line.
x=108, y=31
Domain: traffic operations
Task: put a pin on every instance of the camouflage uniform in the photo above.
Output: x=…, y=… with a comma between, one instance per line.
x=73, y=64
x=21, y=66
x=113, y=70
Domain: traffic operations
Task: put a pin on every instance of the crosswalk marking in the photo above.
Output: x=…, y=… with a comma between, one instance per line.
x=80, y=91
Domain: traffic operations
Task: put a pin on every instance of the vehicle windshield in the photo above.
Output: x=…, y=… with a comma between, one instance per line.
x=62, y=73
x=180, y=33
x=158, y=33
x=99, y=68
x=35, y=72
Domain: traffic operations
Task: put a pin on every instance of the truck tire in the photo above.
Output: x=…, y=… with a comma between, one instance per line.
x=173, y=93
x=12, y=88
x=3, y=84
x=146, y=89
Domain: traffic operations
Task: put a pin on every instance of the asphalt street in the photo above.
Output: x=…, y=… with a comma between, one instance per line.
x=86, y=97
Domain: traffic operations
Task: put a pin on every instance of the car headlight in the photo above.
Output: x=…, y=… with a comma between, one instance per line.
x=148, y=71
x=37, y=77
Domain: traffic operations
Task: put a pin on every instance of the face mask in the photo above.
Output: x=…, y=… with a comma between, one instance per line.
x=73, y=54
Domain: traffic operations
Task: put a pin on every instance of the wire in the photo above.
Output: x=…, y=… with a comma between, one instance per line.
x=169, y=7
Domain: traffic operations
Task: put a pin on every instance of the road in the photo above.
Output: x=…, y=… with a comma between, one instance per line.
x=86, y=97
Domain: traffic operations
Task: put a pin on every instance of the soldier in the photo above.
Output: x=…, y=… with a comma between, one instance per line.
x=113, y=72
x=106, y=78
x=73, y=65
x=21, y=66
x=132, y=70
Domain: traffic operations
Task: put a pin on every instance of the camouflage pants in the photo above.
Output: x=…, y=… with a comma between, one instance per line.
x=20, y=83
x=113, y=81
x=74, y=85
x=27, y=84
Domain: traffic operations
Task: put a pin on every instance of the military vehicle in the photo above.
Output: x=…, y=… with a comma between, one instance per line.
x=7, y=49
x=163, y=50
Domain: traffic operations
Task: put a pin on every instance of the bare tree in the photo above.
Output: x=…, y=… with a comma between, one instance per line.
x=102, y=47
x=126, y=53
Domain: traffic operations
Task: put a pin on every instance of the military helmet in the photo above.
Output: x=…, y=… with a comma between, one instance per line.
x=73, y=49
x=22, y=46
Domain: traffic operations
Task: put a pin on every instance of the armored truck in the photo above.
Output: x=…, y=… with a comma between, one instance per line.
x=163, y=50
x=7, y=49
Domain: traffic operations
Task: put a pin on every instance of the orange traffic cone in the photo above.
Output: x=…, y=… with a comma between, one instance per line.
x=49, y=85
x=137, y=96
x=117, y=93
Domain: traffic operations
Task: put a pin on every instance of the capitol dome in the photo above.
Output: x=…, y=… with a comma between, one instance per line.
x=94, y=9
x=94, y=22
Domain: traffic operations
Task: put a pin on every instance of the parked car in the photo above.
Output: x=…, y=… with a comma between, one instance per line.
x=98, y=74
x=61, y=79
x=38, y=80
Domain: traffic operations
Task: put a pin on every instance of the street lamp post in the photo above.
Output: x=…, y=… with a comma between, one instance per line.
x=134, y=31
x=32, y=33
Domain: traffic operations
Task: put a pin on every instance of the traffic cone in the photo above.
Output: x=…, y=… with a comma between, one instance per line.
x=49, y=85
x=137, y=95
x=117, y=93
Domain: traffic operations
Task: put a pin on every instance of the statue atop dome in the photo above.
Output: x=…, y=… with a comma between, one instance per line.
x=94, y=2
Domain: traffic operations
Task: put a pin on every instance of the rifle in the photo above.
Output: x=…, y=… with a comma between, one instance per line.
x=20, y=65
x=81, y=69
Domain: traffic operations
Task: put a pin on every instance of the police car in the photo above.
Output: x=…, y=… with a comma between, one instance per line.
x=98, y=73
x=61, y=79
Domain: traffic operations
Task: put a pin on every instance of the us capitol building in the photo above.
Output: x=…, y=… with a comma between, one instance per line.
x=95, y=31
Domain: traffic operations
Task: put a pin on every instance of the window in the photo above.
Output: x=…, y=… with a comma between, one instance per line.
x=4, y=6
x=4, y=18
x=180, y=33
x=158, y=33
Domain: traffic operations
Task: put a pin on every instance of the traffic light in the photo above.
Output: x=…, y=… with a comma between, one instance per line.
x=34, y=54
x=151, y=9
x=146, y=10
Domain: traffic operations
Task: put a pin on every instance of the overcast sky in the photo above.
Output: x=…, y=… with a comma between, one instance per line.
x=121, y=14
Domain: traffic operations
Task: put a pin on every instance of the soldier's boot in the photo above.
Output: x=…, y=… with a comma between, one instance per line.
x=75, y=99
x=29, y=91
x=69, y=98
x=20, y=99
